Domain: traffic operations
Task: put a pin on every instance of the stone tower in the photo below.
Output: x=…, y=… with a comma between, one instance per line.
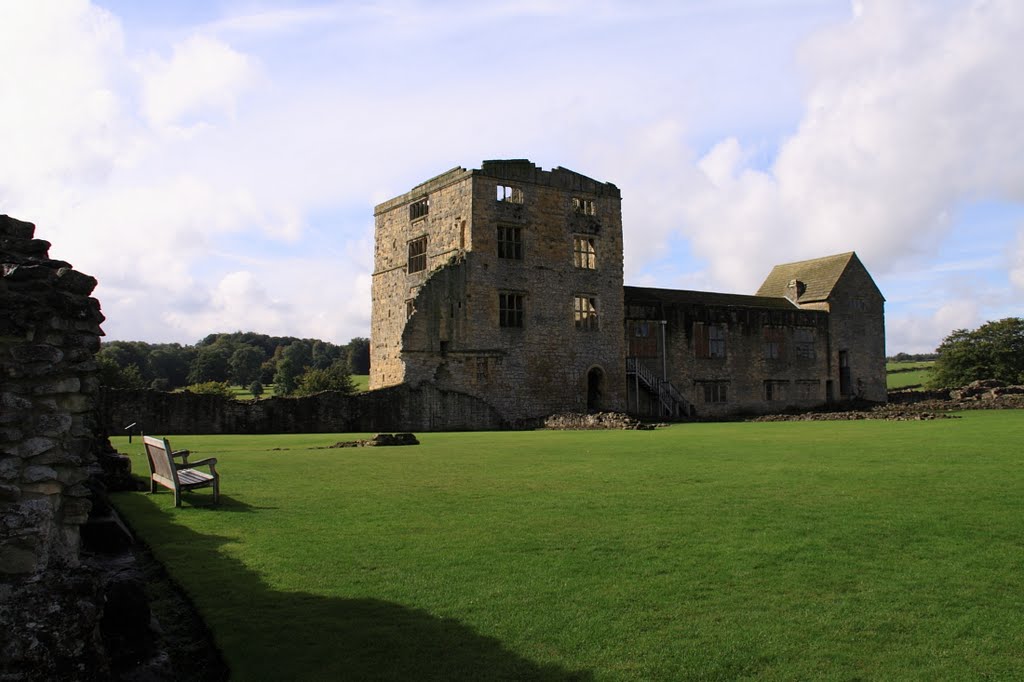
x=503, y=282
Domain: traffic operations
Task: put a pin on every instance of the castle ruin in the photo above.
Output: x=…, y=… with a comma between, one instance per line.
x=506, y=283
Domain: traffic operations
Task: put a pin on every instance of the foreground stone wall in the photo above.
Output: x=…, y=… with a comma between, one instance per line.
x=400, y=408
x=48, y=336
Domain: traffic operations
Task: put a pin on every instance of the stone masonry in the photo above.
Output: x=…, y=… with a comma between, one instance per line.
x=504, y=283
x=49, y=333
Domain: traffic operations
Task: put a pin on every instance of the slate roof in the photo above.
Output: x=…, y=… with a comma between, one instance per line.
x=819, y=275
x=642, y=295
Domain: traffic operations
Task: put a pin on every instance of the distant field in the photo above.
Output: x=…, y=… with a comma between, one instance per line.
x=864, y=550
x=362, y=382
x=901, y=375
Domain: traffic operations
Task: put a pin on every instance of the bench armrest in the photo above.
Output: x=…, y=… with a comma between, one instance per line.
x=209, y=461
x=181, y=453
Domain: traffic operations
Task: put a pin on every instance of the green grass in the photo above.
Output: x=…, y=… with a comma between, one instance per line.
x=902, y=375
x=779, y=551
x=361, y=381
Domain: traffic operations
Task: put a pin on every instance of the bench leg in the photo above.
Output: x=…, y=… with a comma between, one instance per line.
x=177, y=497
x=216, y=491
x=152, y=486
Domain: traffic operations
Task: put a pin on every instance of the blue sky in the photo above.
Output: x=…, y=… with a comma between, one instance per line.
x=215, y=164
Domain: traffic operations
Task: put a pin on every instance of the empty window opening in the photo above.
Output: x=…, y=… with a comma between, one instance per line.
x=510, y=242
x=509, y=194
x=510, y=310
x=585, y=312
x=418, y=254
x=410, y=309
x=583, y=206
x=419, y=208
x=584, y=255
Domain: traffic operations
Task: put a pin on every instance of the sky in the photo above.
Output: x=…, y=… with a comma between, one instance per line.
x=215, y=163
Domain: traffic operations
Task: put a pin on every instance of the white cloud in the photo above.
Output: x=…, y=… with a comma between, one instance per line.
x=912, y=110
x=202, y=78
x=921, y=333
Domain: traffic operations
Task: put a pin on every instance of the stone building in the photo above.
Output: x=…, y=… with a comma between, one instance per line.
x=506, y=283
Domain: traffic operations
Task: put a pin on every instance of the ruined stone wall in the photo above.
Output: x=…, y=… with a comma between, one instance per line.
x=394, y=289
x=455, y=338
x=49, y=333
x=399, y=408
x=797, y=381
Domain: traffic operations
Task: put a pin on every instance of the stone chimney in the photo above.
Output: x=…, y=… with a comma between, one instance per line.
x=795, y=289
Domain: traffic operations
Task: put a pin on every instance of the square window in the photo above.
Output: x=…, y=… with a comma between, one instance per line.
x=585, y=312
x=583, y=206
x=584, y=255
x=509, y=194
x=419, y=208
x=510, y=310
x=708, y=340
x=418, y=254
x=510, y=242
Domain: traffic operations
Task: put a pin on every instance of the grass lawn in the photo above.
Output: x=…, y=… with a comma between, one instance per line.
x=908, y=374
x=778, y=551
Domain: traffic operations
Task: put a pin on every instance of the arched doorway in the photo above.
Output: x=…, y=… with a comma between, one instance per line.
x=595, y=388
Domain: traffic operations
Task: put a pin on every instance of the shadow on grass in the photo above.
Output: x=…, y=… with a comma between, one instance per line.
x=267, y=634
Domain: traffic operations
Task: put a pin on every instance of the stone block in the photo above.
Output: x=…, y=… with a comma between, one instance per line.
x=67, y=385
x=18, y=229
x=76, y=510
x=75, y=282
x=37, y=473
x=53, y=424
x=12, y=401
x=17, y=560
x=10, y=468
x=9, y=493
x=36, y=446
x=37, y=353
x=46, y=488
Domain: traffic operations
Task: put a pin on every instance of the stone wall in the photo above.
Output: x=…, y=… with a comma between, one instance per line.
x=48, y=336
x=443, y=325
x=400, y=408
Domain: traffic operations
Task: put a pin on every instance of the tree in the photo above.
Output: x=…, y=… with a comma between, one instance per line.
x=211, y=364
x=995, y=350
x=218, y=388
x=293, y=362
x=256, y=388
x=359, y=355
x=334, y=378
x=245, y=364
x=112, y=375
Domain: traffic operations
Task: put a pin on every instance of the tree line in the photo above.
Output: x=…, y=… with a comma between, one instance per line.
x=295, y=366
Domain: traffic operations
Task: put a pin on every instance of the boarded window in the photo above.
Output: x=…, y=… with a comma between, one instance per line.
x=584, y=255
x=583, y=206
x=585, y=312
x=510, y=242
x=714, y=391
x=483, y=373
x=773, y=342
x=418, y=254
x=803, y=342
x=419, y=208
x=510, y=310
x=509, y=194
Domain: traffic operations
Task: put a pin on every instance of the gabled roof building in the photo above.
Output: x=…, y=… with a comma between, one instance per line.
x=506, y=282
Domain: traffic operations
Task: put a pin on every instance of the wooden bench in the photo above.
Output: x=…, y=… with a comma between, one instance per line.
x=178, y=477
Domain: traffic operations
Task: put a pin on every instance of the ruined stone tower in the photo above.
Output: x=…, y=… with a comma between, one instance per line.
x=485, y=280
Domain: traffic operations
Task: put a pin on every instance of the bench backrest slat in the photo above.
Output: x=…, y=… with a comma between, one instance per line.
x=158, y=450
